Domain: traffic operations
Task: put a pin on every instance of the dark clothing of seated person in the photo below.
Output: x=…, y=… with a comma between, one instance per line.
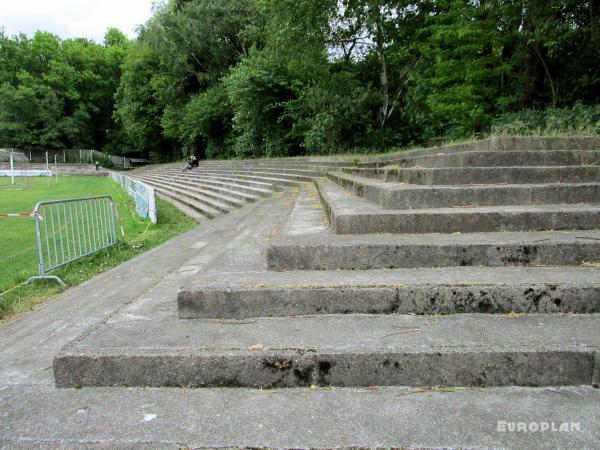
x=192, y=162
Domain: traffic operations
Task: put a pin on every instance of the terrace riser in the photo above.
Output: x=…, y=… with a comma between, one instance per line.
x=223, y=180
x=474, y=222
x=472, y=196
x=189, y=197
x=496, y=159
x=364, y=257
x=483, y=175
x=190, y=204
x=282, y=178
x=257, y=182
x=191, y=192
x=286, y=368
x=245, y=303
x=242, y=194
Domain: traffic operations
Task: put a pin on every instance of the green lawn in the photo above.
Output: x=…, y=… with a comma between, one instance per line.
x=18, y=250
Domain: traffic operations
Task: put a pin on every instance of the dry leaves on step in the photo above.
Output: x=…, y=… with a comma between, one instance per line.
x=256, y=347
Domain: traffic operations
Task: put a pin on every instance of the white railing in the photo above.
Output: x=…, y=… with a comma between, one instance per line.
x=144, y=196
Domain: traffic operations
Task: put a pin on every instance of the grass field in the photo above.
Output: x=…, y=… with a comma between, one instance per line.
x=18, y=248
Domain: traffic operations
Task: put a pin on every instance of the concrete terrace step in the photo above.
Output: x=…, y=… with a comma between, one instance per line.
x=279, y=164
x=349, y=214
x=250, y=185
x=446, y=290
x=270, y=170
x=497, y=158
x=319, y=418
x=196, y=196
x=349, y=350
x=482, y=175
x=217, y=197
x=324, y=251
x=250, y=180
x=270, y=177
x=183, y=207
x=209, y=189
x=390, y=195
x=189, y=202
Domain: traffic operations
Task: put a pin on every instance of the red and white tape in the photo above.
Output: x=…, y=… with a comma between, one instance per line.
x=21, y=214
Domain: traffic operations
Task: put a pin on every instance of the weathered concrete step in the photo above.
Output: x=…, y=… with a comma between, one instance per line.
x=252, y=181
x=499, y=144
x=321, y=418
x=482, y=175
x=255, y=187
x=331, y=252
x=392, y=195
x=270, y=170
x=340, y=350
x=448, y=290
x=194, y=196
x=197, y=190
x=209, y=189
x=496, y=158
x=280, y=164
x=188, y=202
x=271, y=177
x=349, y=214
x=186, y=209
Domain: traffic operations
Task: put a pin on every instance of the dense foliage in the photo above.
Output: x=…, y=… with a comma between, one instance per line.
x=578, y=120
x=248, y=78
x=59, y=93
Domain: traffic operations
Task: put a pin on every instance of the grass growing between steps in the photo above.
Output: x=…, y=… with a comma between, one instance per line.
x=18, y=248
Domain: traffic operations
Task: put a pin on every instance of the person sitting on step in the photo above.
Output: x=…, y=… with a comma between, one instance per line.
x=192, y=162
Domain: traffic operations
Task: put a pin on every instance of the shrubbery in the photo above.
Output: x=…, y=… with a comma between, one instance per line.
x=578, y=120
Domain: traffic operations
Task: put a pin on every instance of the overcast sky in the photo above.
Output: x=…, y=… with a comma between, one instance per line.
x=73, y=18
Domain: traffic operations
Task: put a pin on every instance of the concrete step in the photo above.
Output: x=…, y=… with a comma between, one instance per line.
x=349, y=214
x=209, y=189
x=325, y=251
x=268, y=170
x=448, y=290
x=267, y=176
x=375, y=418
x=496, y=158
x=189, y=202
x=184, y=208
x=279, y=164
x=257, y=183
x=254, y=188
x=197, y=197
x=191, y=190
x=239, y=177
x=337, y=350
x=390, y=195
x=451, y=176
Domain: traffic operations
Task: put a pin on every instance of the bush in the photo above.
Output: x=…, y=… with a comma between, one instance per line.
x=578, y=120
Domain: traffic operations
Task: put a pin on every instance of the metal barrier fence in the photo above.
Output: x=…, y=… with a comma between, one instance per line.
x=70, y=229
x=144, y=195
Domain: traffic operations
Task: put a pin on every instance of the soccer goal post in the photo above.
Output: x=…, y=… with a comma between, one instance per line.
x=15, y=164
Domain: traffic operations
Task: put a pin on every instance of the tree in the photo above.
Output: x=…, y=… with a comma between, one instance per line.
x=58, y=93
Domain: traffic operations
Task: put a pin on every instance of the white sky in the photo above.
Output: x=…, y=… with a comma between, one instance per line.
x=73, y=18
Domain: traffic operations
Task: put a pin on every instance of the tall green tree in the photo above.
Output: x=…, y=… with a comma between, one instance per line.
x=58, y=93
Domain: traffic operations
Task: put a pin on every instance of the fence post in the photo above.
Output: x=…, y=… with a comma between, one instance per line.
x=12, y=168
